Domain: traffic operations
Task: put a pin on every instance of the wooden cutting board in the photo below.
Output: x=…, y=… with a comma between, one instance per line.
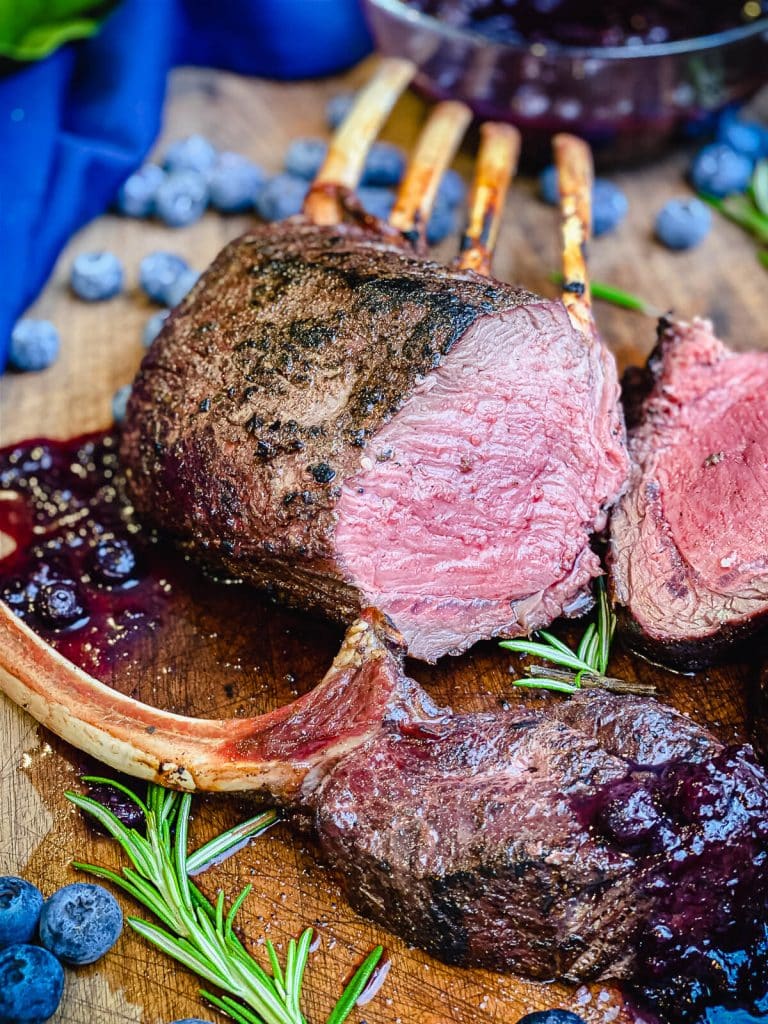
x=238, y=656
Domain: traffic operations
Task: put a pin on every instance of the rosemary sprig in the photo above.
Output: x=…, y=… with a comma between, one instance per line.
x=198, y=934
x=590, y=659
x=616, y=296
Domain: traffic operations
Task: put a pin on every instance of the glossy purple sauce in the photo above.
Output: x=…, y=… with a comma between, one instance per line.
x=94, y=582
x=590, y=24
x=85, y=574
x=688, y=826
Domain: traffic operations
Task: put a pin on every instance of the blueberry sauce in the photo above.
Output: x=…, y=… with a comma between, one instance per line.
x=99, y=586
x=686, y=827
x=579, y=23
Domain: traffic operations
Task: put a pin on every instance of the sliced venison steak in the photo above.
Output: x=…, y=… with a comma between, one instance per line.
x=331, y=416
x=689, y=539
x=601, y=837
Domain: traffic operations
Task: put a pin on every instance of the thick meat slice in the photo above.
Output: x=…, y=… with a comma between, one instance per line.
x=607, y=836
x=331, y=416
x=689, y=540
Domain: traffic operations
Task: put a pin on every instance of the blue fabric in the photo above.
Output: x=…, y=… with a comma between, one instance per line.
x=74, y=125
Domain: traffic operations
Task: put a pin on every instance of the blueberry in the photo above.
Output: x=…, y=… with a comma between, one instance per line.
x=120, y=403
x=181, y=198
x=552, y=1017
x=20, y=904
x=683, y=223
x=337, y=108
x=234, y=182
x=281, y=197
x=158, y=273
x=452, y=190
x=377, y=201
x=745, y=137
x=31, y=984
x=181, y=287
x=58, y=603
x=443, y=222
x=384, y=166
x=304, y=157
x=136, y=196
x=194, y=153
x=609, y=207
x=80, y=923
x=113, y=561
x=96, y=276
x=549, y=190
x=719, y=170
x=34, y=345
x=153, y=326
x=630, y=816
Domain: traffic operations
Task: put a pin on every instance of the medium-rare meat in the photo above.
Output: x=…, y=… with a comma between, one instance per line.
x=689, y=539
x=333, y=417
x=603, y=837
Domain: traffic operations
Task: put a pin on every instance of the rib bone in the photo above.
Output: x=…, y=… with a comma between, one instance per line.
x=273, y=754
x=573, y=160
x=349, y=147
x=434, y=151
x=496, y=164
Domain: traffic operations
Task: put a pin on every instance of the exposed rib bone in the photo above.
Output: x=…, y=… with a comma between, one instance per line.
x=349, y=147
x=434, y=151
x=496, y=164
x=277, y=753
x=575, y=173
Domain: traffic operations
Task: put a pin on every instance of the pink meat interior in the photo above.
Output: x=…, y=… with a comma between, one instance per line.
x=472, y=512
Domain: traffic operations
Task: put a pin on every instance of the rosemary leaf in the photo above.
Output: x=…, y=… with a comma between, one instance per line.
x=759, y=186
x=229, y=842
x=548, y=684
x=616, y=296
x=742, y=211
x=354, y=989
x=556, y=656
x=194, y=932
x=590, y=658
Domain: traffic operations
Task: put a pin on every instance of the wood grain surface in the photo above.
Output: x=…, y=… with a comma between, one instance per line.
x=234, y=655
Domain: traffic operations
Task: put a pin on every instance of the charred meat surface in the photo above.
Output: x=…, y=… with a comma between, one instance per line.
x=337, y=419
x=573, y=840
x=689, y=539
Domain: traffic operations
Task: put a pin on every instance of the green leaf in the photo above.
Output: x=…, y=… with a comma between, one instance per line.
x=31, y=29
x=741, y=211
x=543, y=683
x=616, y=296
x=759, y=187
x=194, y=932
x=591, y=656
x=352, y=992
x=231, y=840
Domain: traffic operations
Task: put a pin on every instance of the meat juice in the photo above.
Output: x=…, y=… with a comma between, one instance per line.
x=86, y=575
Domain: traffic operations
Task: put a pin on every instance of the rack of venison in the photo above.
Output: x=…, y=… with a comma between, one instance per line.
x=333, y=416
x=399, y=404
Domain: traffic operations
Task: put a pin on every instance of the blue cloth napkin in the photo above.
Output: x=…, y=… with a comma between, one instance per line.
x=73, y=126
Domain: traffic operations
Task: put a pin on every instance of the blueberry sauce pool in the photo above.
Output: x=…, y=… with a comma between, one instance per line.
x=84, y=573
x=591, y=24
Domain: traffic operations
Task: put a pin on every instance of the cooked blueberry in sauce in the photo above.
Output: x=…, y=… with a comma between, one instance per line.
x=630, y=816
x=113, y=561
x=58, y=604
